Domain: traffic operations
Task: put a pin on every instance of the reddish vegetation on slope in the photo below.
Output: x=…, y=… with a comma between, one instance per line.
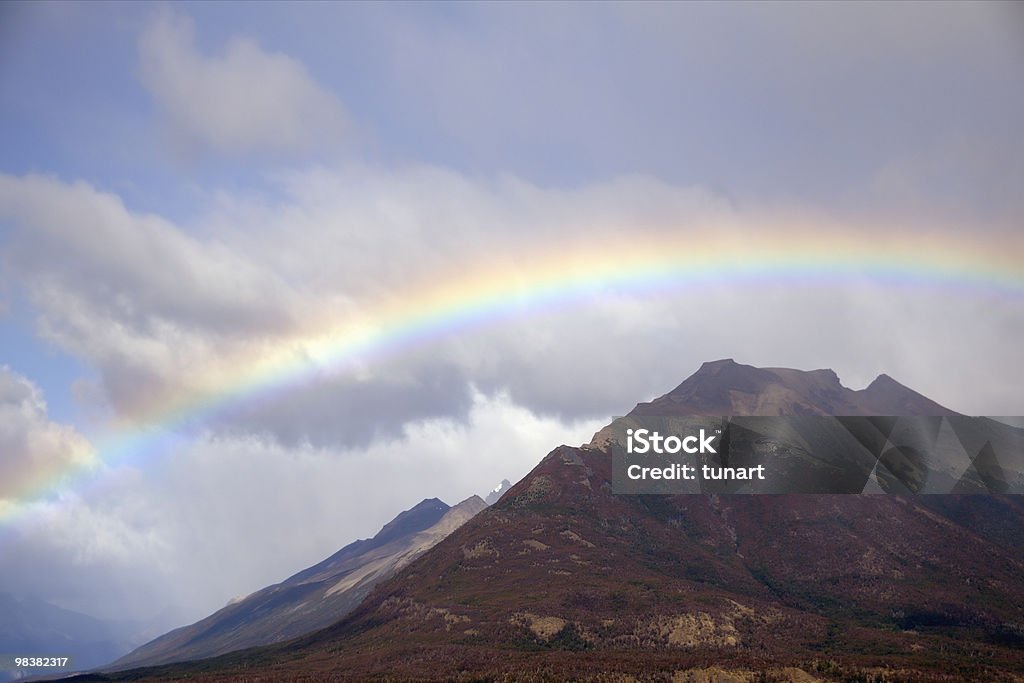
x=561, y=578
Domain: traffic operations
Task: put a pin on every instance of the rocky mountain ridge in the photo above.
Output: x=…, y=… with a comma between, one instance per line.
x=315, y=597
x=563, y=579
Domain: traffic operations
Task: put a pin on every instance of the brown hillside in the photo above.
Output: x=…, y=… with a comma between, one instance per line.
x=561, y=579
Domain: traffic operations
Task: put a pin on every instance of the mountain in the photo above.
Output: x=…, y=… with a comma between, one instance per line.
x=497, y=492
x=29, y=626
x=726, y=387
x=315, y=597
x=562, y=579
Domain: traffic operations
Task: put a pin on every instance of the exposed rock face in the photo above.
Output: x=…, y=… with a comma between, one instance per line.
x=497, y=492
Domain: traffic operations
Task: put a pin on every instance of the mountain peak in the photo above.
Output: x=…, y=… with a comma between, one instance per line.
x=497, y=492
x=429, y=504
x=889, y=397
x=474, y=504
x=458, y=515
x=725, y=387
x=421, y=516
x=710, y=365
x=884, y=380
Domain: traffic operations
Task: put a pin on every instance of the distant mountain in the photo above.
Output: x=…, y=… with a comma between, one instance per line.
x=562, y=579
x=315, y=597
x=30, y=626
x=497, y=492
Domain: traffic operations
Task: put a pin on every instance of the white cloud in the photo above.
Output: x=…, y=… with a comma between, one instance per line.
x=221, y=516
x=131, y=293
x=244, y=100
x=34, y=451
x=164, y=314
x=334, y=496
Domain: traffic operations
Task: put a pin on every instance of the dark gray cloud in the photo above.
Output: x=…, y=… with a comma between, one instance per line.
x=859, y=105
x=354, y=413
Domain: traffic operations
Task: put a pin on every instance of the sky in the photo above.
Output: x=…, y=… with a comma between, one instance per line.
x=272, y=273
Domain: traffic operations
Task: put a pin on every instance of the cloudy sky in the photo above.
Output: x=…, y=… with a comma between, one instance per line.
x=192, y=195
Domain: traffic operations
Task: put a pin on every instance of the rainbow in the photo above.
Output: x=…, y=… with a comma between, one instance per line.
x=530, y=282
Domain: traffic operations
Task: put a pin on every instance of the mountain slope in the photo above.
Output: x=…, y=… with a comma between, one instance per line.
x=315, y=597
x=31, y=626
x=563, y=579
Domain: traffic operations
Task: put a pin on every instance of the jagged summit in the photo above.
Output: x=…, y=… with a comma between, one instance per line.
x=713, y=365
x=725, y=387
x=418, y=517
x=497, y=492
